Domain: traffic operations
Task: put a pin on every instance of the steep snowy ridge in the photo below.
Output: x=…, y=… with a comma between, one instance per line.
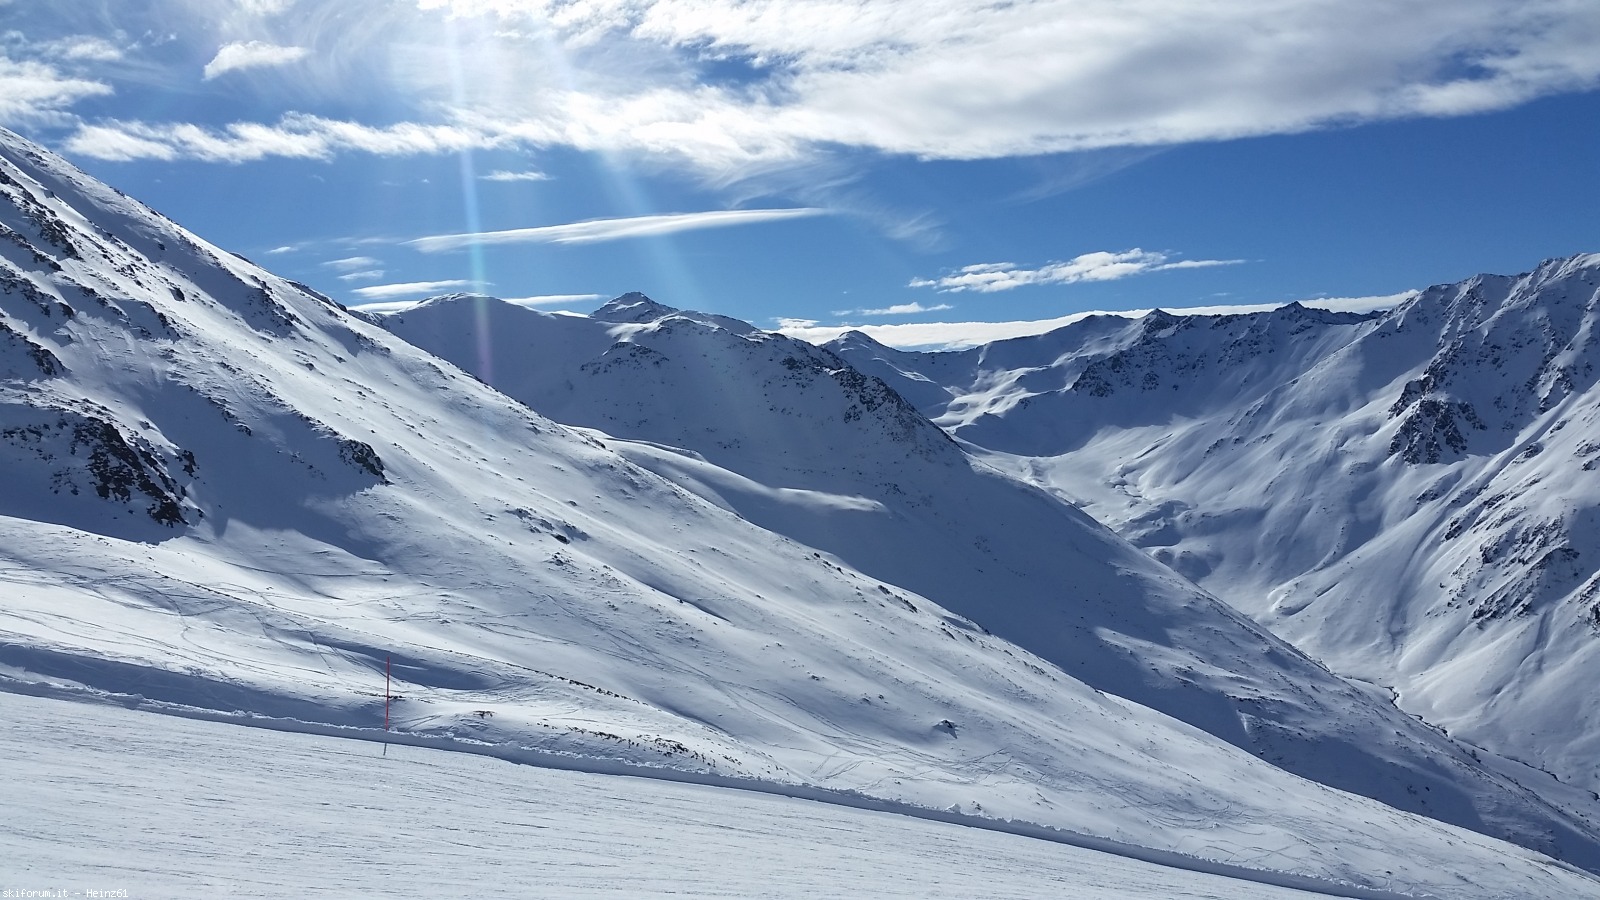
x=1409, y=498
x=794, y=440
x=634, y=307
x=226, y=496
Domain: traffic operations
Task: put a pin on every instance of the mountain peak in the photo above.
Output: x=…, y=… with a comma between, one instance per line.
x=1157, y=321
x=632, y=308
x=1565, y=266
x=855, y=340
x=1295, y=311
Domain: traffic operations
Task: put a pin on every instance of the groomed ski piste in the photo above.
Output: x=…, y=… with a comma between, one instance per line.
x=228, y=498
x=105, y=798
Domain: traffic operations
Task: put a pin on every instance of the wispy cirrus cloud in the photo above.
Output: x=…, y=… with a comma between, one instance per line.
x=295, y=136
x=82, y=48
x=350, y=263
x=350, y=244
x=362, y=275
x=502, y=175
x=409, y=289
x=596, y=230
x=251, y=55
x=989, y=278
x=898, y=309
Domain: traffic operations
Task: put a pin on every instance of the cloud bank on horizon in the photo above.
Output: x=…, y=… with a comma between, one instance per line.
x=385, y=307
x=988, y=278
x=960, y=335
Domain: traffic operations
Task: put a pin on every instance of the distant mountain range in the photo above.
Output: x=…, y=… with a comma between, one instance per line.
x=1410, y=496
x=768, y=427
x=746, y=561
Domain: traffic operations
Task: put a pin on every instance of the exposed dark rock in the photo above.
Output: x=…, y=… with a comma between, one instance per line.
x=86, y=450
x=362, y=456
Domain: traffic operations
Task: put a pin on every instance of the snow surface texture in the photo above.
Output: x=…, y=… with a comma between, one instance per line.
x=179, y=808
x=795, y=440
x=1409, y=496
x=223, y=493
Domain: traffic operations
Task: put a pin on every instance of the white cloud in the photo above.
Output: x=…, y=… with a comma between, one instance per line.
x=898, y=309
x=353, y=262
x=409, y=288
x=554, y=299
x=946, y=79
x=515, y=176
x=956, y=335
x=611, y=229
x=82, y=48
x=970, y=79
x=34, y=91
x=1100, y=266
x=264, y=8
x=251, y=55
x=363, y=275
x=386, y=307
x=295, y=136
x=390, y=307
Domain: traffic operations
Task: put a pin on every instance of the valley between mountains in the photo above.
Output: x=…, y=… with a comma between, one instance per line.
x=666, y=543
x=1409, y=496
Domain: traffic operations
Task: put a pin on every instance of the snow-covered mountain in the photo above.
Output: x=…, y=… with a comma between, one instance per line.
x=1408, y=496
x=792, y=438
x=224, y=496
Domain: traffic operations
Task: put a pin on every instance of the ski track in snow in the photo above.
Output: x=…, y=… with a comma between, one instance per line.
x=104, y=798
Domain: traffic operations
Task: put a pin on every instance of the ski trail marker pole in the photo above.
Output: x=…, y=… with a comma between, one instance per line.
x=388, y=665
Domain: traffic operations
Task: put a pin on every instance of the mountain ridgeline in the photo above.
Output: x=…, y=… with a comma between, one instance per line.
x=774, y=429
x=1410, y=495
x=711, y=554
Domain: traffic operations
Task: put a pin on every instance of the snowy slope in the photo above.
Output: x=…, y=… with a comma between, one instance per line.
x=257, y=813
x=223, y=493
x=793, y=439
x=1408, y=497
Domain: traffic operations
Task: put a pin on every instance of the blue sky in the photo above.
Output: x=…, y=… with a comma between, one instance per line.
x=921, y=165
